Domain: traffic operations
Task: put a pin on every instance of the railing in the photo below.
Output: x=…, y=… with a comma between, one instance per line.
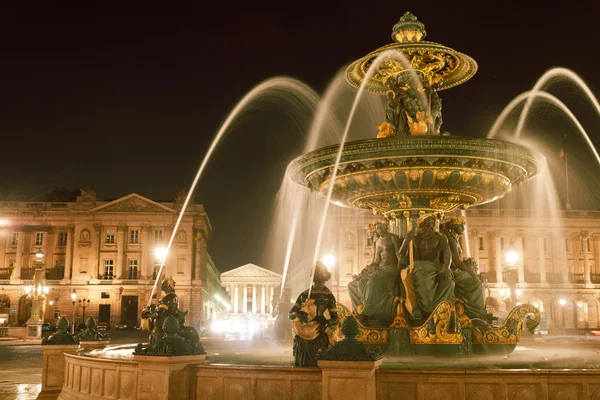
x=553, y=278
x=27, y=273
x=5, y=273
x=55, y=274
x=576, y=278
x=532, y=278
x=4, y=331
x=595, y=278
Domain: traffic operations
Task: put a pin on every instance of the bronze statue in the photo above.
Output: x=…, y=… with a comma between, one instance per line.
x=467, y=286
x=428, y=282
x=167, y=306
x=90, y=333
x=377, y=286
x=309, y=316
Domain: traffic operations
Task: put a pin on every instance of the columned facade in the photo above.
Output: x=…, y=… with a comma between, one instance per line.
x=105, y=251
x=257, y=286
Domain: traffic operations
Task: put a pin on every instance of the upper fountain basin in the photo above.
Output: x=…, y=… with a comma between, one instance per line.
x=417, y=173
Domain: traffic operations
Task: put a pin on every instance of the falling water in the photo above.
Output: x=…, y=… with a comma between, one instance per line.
x=551, y=99
x=270, y=86
x=388, y=53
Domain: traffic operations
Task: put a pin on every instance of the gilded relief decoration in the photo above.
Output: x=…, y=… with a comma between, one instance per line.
x=442, y=327
x=510, y=331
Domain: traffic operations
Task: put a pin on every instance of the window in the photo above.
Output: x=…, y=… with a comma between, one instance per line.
x=545, y=245
x=134, y=236
x=109, y=267
x=56, y=314
x=110, y=236
x=105, y=295
x=501, y=243
x=566, y=241
x=158, y=235
x=481, y=244
x=132, y=269
x=524, y=244
x=39, y=238
x=14, y=239
x=587, y=241
x=181, y=265
x=62, y=238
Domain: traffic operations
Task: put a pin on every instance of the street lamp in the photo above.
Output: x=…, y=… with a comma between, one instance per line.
x=37, y=293
x=161, y=255
x=512, y=257
x=73, y=298
x=83, y=303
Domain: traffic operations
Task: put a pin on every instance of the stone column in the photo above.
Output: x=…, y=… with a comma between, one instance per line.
x=542, y=260
x=520, y=267
x=562, y=251
x=272, y=290
x=96, y=266
x=596, y=252
x=498, y=255
x=586, y=258
x=254, y=298
x=236, y=298
x=145, y=268
x=475, y=247
x=120, y=271
x=19, y=255
x=3, y=240
x=262, y=299
x=69, y=252
x=48, y=247
x=245, y=299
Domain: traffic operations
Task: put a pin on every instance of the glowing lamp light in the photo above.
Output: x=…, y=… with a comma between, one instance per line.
x=562, y=302
x=329, y=261
x=512, y=257
x=519, y=291
x=27, y=289
x=160, y=253
x=46, y=289
x=73, y=296
x=51, y=302
x=579, y=304
x=39, y=254
x=536, y=304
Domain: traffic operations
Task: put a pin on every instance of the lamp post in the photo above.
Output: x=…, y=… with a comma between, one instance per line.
x=73, y=299
x=512, y=257
x=37, y=294
x=83, y=303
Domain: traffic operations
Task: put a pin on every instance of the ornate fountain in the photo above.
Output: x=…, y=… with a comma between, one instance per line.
x=410, y=169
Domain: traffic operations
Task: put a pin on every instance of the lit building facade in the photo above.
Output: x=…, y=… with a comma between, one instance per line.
x=558, y=266
x=105, y=251
x=251, y=289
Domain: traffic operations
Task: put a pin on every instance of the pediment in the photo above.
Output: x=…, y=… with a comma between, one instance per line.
x=250, y=271
x=133, y=203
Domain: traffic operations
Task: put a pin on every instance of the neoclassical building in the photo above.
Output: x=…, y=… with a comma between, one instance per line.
x=251, y=289
x=558, y=267
x=105, y=251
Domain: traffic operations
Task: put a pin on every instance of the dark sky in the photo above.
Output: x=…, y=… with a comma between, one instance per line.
x=127, y=98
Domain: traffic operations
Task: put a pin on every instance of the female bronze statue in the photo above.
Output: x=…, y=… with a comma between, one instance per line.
x=311, y=325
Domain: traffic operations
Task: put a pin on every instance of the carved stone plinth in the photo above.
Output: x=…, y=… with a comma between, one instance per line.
x=165, y=378
x=53, y=369
x=342, y=380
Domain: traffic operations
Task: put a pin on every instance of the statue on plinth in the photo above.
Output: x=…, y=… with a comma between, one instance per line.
x=62, y=337
x=91, y=334
x=428, y=281
x=377, y=286
x=309, y=316
x=171, y=343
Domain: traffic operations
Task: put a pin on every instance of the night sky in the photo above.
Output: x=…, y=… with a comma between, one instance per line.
x=128, y=98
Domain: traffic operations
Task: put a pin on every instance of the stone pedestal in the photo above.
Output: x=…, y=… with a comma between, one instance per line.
x=34, y=328
x=53, y=369
x=164, y=378
x=342, y=380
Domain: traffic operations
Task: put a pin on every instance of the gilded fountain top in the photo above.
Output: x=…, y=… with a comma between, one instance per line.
x=435, y=63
